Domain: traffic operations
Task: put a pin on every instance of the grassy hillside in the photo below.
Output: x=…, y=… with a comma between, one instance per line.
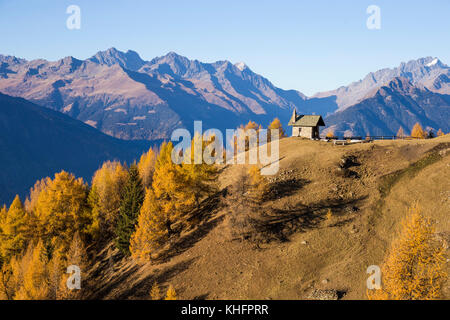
x=305, y=251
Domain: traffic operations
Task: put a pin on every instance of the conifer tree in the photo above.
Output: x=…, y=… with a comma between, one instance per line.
x=105, y=196
x=276, y=124
x=417, y=131
x=32, y=199
x=415, y=266
x=155, y=292
x=151, y=230
x=258, y=184
x=132, y=200
x=146, y=167
x=34, y=284
x=171, y=294
x=200, y=179
x=77, y=256
x=15, y=230
x=401, y=133
x=62, y=210
x=330, y=134
x=171, y=187
x=440, y=133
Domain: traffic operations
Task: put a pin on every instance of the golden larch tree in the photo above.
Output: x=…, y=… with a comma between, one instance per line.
x=171, y=187
x=62, y=210
x=171, y=294
x=16, y=230
x=151, y=230
x=155, y=292
x=77, y=255
x=440, y=133
x=146, y=167
x=105, y=196
x=34, y=282
x=415, y=266
x=417, y=132
x=276, y=124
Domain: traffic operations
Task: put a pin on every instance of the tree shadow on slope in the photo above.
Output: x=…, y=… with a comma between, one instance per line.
x=140, y=288
x=284, y=188
x=201, y=221
x=128, y=284
x=280, y=224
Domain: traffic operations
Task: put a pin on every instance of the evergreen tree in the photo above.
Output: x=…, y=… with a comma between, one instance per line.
x=132, y=200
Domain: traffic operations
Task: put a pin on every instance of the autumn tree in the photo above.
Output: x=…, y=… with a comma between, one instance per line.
x=401, y=133
x=62, y=210
x=415, y=266
x=417, y=132
x=276, y=124
x=16, y=230
x=330, y=134
x=440, y=133
x=31, y=273
x=200, y=178
x=105, y=196
x=244, y=136
x=151, y=230
x=257, y=184
x=146, y=166
x=171, y=187
x=171, y=294
x=32, y=199
x=76, y=256
x=329, y=214
x=243, y=201
x=155, y=292
x=132, y=200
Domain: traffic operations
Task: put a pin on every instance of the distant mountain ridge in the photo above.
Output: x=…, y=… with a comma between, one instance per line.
x=427, y=72
x=396, y=104
x=127, y=97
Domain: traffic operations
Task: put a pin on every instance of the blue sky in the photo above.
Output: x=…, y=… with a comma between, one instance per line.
x=310, y=46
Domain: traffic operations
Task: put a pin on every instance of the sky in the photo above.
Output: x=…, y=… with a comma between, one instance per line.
x=310, y=46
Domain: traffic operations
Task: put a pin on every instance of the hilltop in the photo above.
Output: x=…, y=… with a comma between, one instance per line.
x=368, y=187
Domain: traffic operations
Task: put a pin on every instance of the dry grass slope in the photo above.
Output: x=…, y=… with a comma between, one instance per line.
x=368, y=188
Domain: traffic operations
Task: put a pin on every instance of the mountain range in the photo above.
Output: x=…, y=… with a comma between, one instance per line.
x=127, y=97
